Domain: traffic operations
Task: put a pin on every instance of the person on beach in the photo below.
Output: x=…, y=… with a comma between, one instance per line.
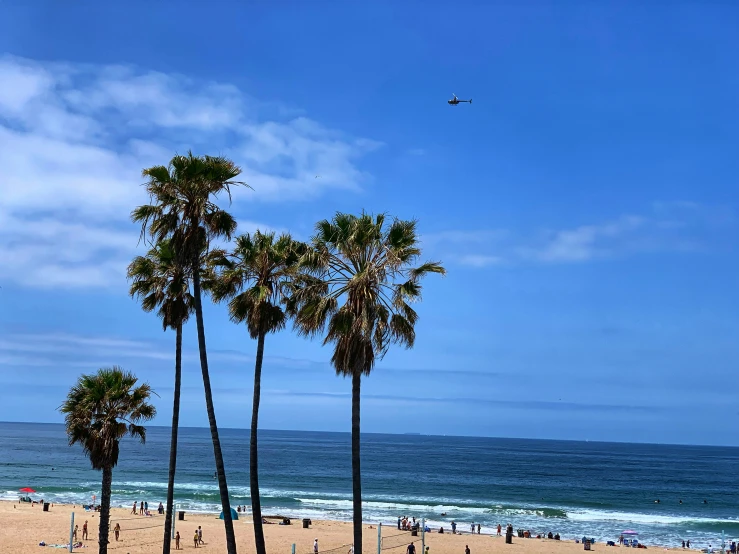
x=478, y=528
x=161, y=508
x=177, y=540
x=411, y=549
x=315, y=546
x=200, y=535
x=499, y=529
x=472, y=529
x=466, y=549
x=195, y=538
x=134, y=509
x=399, y=523
x=454, y=528
x=74, y=534
x=141, y=509
x=117, y=530
x=84, y=531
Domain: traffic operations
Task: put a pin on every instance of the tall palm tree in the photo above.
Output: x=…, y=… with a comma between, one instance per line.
x=161, y=283
x=100, y=410
x=359, y=285
x=183, y=209
x=256, y=279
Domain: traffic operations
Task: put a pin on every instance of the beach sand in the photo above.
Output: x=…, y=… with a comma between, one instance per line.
x=22, y=527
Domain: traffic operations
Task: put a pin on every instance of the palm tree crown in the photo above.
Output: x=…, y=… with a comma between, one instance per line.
x=183, y=207
x=256, y=278
x=359, y=285
x=161, y=283
x=103, y=408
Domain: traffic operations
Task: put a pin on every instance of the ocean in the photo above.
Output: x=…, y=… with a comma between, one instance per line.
x=577, y=489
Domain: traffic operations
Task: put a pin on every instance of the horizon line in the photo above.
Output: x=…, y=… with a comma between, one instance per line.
x=597, y=441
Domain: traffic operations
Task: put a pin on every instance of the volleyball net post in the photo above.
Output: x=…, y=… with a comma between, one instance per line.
x=423, y=535
x=71, y=531
x=292, y=549
x=379, y=538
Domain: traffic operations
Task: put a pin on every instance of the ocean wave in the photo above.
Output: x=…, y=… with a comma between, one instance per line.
x=641, y=518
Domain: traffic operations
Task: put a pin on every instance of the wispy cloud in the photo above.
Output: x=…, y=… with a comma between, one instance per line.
x=467, y=401
x=667, y=227
x=73, y=140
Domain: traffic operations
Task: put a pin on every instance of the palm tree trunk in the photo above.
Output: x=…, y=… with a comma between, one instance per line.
x=173, y=442
x=220, y=468
x=105, y=511
x=256, y=505
x=356, y=472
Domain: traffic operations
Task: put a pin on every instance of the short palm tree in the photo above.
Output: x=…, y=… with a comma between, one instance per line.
x=360, y=281
x=100, y=410
x=161, y=283
x=183, y=210
x=256, y=279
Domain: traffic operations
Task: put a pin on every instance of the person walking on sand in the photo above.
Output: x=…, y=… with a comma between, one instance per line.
x=84, y=531
x=472, y=529
x=74, y=534
x=195, y=538
x=141, y=509
x=134, y=508
x=117, y=530
x=499, y=529
x=466, y=549
x=411, y=549
x=315, y=546
x=177, y=540
x=200, y=535
x=454, y=528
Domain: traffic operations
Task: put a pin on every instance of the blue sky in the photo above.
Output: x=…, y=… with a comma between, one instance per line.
x=585, y=204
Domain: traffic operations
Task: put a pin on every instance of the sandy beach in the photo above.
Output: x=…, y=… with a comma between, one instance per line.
x=23, y=527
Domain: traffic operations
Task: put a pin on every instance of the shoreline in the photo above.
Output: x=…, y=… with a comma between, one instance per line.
x=23, y=527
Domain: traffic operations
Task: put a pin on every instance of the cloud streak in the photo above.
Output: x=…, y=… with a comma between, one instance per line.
x=668, y=227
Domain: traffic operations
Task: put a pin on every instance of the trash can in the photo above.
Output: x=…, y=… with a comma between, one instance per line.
x=414, y=532
x=586, y=545
x=306, y=523
x=46, y=506
x=181, y=515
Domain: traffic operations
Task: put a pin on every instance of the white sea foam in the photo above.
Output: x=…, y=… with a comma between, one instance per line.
x=638, y=518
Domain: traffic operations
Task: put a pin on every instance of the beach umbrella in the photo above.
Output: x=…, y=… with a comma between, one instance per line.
x=27, y=490
x=629, y=532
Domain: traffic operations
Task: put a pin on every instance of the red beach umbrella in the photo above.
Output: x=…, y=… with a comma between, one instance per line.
x=27, y=490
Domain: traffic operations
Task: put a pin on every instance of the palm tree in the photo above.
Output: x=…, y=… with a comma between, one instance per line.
x=161, y=284
x=256, y=279
x=183, y=210
x=358, y=287
x=100, y=410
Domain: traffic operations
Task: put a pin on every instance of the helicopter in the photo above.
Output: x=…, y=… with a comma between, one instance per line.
x=454, y=101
